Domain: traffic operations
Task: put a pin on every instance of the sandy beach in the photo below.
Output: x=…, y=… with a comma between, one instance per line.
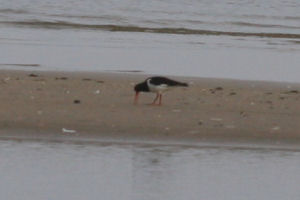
x=89, y=105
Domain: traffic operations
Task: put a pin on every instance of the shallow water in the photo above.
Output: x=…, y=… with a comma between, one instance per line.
x=48, y=170
x=258, y=40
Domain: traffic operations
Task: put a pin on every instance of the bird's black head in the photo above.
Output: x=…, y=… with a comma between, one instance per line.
x=141, y=87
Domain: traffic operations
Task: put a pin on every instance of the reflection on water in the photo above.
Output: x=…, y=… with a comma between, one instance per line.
x=40, y=170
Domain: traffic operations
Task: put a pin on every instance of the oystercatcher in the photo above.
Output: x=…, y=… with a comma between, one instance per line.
x=157, y=84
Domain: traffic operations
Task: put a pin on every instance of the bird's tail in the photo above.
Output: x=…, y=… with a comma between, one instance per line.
x=183, y=84
x=171, y=82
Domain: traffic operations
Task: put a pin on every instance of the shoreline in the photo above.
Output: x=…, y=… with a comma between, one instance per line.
x=82, y=105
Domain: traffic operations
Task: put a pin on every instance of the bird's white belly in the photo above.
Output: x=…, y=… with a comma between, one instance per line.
x=157, y=88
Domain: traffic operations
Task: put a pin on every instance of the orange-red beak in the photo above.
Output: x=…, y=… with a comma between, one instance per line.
x=136, y=97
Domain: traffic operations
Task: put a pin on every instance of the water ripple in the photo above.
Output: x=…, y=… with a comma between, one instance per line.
x=132, y=28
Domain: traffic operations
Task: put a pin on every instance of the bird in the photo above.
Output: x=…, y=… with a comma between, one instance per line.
x=156, y=84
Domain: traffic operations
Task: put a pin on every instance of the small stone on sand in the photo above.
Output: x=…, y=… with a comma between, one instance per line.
x=76, y=101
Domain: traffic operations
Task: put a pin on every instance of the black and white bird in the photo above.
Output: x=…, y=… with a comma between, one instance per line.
x=158, y=85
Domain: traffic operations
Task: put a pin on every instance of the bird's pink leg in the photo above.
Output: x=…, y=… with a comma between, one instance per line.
x=154, y=101
x=136, y=98
x=160, y=97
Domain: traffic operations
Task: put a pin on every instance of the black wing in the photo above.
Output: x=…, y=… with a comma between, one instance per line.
x=158, y=80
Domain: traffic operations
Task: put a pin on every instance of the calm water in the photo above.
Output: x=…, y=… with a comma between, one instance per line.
x=41, y=170
x=209, y=38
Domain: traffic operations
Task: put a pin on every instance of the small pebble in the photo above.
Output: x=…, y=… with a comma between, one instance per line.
x=193, y=132
x=76, y=101
x=216, y=119
x=176, y=110
x=230, y=126
x=275, y=128
x=33, y=75
x=68, y=130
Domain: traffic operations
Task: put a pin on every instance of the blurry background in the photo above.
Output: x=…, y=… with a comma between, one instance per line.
x=257, y=40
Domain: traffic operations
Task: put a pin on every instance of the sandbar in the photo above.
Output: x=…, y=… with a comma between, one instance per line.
x=57, y=104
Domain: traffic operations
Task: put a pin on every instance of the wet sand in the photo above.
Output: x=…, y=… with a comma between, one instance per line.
x=100, y=105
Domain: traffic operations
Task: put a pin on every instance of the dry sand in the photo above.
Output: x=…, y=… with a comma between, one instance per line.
x=90, y=105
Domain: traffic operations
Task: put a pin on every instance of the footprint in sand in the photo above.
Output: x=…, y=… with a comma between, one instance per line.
x=33, y=75
x=86, y=79
x=269, y=102
x=243, y=114
x=61, y=78
x=292, y=92
x=215, y=89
